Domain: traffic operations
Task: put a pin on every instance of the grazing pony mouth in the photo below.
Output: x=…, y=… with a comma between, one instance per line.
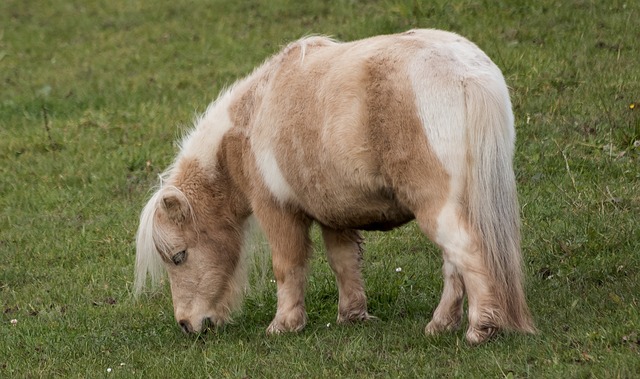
x=206, y=325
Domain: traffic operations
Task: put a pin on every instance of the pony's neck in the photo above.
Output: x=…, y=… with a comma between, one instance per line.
x=212, y=155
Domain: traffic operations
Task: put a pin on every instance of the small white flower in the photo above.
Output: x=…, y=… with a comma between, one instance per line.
x=328, y=324
x=272, y=280
x=122, y=364
x=108, y=369
x=14, y=321
x=398, y=269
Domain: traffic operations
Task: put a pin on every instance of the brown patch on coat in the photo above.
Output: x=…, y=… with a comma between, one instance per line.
x=242, y=109
x=417, y=176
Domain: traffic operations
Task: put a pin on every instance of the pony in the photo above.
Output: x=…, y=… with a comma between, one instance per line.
x=362, y=135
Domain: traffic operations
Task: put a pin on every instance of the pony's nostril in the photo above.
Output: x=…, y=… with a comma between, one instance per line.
x=186, y=326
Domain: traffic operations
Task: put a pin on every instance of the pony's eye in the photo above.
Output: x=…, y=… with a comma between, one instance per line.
x=179, y=258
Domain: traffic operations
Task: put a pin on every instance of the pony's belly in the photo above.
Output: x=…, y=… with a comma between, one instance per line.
x=362, y=214
x=384, y=225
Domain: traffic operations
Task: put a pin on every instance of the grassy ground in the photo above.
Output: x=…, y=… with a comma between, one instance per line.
x=93, y=94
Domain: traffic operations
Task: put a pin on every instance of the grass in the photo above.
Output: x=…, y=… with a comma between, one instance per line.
x=93, y=95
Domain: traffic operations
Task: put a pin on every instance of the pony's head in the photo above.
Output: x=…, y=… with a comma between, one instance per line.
x=192, y=228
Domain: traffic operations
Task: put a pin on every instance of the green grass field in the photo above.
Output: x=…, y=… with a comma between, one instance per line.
x=93, y=95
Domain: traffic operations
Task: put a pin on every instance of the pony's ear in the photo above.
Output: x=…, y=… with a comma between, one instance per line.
x=176, y=206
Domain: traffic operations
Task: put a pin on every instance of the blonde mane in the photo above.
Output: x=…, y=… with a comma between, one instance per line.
x=148, y=260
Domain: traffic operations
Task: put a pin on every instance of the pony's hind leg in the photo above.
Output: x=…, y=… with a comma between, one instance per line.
x=448, y=314
x=288, y=236
x=464, y=269
x=344, y=253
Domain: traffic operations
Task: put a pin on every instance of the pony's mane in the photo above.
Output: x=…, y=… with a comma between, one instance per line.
x=148, y=259
x=207, y=131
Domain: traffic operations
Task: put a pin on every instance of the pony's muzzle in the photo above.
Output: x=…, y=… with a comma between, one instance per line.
x=187, y=328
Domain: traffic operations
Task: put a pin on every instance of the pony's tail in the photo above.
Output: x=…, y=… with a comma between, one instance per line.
x=493, y=209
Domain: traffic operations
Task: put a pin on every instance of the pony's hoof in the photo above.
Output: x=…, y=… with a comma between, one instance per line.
x=274, y=328
x=436, y=327
x=476, y=336
x=294, y=323
x=355, y=317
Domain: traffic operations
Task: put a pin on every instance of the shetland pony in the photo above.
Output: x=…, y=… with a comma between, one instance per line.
x=365, y=135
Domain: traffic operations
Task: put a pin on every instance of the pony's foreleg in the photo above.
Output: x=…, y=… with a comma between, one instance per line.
x=288, y=236
x=344, y=253
x=448, y=314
